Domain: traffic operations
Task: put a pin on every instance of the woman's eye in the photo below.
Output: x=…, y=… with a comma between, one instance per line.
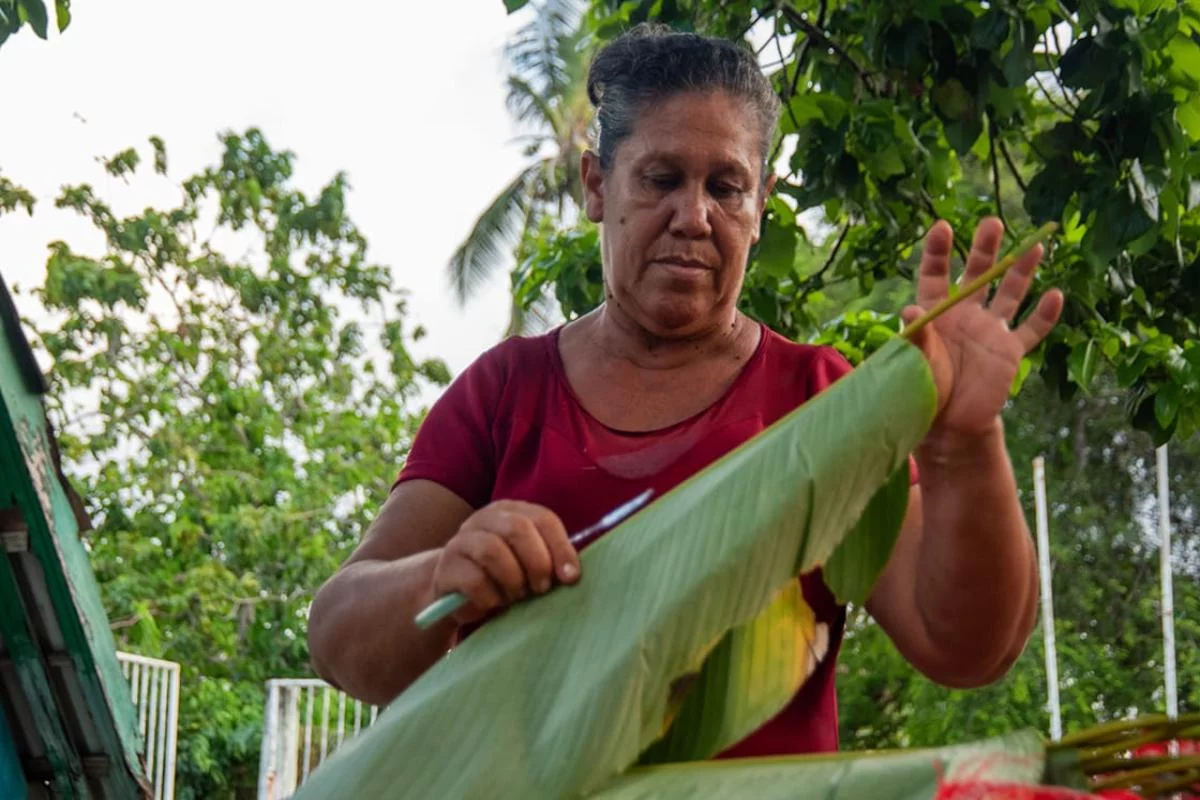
x=724, y=190
x=661, y=181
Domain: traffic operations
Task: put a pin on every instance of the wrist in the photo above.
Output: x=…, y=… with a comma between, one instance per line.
x=944, y=448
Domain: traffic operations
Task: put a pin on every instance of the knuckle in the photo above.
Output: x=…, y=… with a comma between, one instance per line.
x=492, y=553
x=518, y=527
x=479, y=589
x=547, y=518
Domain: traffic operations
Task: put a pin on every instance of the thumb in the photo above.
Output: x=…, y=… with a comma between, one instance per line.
x=927, y=341
x=911, y=314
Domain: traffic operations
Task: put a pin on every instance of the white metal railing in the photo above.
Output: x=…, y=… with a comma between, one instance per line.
x=154, y=684
x=306, y=720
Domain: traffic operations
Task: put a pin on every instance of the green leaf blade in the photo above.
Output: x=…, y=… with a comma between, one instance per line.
x=858, y=561
x=588, y=671
x=1016, y=759
x=34, y=12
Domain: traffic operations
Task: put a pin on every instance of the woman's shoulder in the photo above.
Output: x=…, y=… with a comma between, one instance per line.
x=514, y=357
x=813, y=365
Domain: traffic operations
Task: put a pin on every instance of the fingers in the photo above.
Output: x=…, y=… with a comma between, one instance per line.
x=984, y=250
x=503, y=553
x=1039, y=324
x=457, y=572
x=1015, y=285
x=492, y=554
x=933, y=282
x=909, y=315
x=525, y=541
x=563, y=554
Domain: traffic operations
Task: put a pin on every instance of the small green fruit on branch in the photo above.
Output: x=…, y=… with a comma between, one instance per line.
x=995, y=271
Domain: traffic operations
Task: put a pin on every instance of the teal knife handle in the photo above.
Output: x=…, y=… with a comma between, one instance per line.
x=439, y=609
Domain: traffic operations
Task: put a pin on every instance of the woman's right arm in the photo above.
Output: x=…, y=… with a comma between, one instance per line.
x=426, y=542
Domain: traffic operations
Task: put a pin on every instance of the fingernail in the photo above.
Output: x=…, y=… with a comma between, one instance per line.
x=569, y=571
x=543, y=586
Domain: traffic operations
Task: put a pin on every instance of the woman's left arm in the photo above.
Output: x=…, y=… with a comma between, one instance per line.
x=959, y=594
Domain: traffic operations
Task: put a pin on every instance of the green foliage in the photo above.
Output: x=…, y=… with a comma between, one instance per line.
x=232, y=406
x=899, y=113
x=567, y=261
x=13, y=197
x=14, y=14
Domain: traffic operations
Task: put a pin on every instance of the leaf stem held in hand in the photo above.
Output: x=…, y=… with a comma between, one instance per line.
x=995, y=271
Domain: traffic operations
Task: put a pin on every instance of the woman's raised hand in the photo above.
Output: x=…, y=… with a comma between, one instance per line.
x=973, y=350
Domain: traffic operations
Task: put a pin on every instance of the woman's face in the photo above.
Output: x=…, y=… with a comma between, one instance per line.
x=681, y=205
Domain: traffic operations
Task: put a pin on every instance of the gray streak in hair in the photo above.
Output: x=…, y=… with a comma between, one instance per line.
x=651, y=62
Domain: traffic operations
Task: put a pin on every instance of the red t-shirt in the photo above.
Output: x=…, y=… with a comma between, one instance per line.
x=511, y=428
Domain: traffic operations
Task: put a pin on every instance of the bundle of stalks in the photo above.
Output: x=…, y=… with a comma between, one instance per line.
x=1150, y=756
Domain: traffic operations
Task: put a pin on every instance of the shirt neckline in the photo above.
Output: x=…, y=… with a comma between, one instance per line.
x=560, y=372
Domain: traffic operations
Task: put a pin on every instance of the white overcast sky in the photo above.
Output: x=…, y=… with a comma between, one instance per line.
x=406, y=97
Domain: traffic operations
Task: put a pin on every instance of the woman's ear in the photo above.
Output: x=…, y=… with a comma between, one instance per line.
x=767, y=188
x=593, y=186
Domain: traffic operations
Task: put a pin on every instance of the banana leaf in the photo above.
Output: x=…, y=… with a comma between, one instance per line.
x=561, y=695
x=1015, y=759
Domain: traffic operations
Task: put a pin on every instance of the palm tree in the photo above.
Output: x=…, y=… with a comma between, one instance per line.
x=547, y=95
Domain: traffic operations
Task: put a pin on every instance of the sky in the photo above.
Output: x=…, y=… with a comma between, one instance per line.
x=406, y=98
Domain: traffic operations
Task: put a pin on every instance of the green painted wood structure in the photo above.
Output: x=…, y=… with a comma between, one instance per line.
x=67, y=722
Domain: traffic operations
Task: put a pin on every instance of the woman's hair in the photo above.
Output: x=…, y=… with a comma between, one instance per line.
x=651, y=62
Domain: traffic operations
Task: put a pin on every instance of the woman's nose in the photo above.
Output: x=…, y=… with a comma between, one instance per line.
x=690, y=214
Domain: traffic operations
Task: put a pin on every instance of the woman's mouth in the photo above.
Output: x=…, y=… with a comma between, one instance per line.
x=684, y=268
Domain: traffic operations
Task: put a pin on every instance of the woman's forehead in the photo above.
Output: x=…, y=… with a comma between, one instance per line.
x=711, y=127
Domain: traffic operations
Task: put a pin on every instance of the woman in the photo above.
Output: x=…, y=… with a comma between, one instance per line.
x=544, y=435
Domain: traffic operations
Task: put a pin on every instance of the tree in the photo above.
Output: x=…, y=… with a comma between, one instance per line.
x=16, y=13
x=233, y=386
x=547, y=96
x=1091, y=108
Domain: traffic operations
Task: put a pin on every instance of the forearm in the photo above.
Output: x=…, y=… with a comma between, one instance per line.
x=976, y=581
x=361, y=631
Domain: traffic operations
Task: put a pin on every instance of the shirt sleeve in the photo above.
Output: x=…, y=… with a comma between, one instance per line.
x=455, y=445
x=828, y=367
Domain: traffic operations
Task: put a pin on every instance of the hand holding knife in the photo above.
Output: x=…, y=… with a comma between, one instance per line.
x=444, y=606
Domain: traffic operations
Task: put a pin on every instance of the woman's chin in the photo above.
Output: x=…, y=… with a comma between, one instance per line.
x=680, y=318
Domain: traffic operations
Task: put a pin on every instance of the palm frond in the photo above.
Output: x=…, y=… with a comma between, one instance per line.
x=542, y=51
x=481, y=252
x=529, y=106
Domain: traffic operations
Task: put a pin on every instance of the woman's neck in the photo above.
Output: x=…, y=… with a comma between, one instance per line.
x=619, y=336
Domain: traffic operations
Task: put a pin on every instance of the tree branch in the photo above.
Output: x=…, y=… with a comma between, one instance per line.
x=762, y=12
x=959, y=247
x=795, y=18
x=837, y=246
x=128, y=622
x=992, y=134
x=1008, y=159
x=1070, y=98
x=1050, y=98
x=801, y=54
